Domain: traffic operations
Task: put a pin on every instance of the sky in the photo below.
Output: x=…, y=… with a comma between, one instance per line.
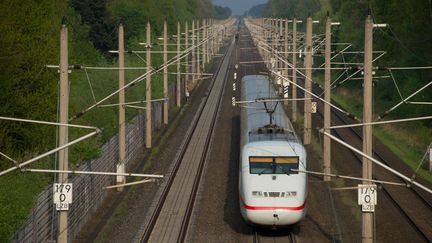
x=238, y=6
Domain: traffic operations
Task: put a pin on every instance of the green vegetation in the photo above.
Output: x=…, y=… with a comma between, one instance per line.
x=30, y=40
x=407, y=41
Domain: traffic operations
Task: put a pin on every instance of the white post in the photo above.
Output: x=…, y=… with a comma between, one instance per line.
x=63, y=155
x=368, y=224
x=122, y=120
x=148, y=91
x=178, y=88
x=308, y=83
x=165, y=73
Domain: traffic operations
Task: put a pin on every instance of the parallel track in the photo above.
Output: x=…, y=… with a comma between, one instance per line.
x=415, y=196
x=181, y=155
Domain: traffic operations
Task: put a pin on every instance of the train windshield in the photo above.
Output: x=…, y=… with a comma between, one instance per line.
x=273, y=165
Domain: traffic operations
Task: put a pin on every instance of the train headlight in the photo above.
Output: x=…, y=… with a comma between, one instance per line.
x=257, y=193
x=290, y=194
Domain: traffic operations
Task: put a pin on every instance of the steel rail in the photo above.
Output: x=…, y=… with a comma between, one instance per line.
x=153, y=219
x=387, y=193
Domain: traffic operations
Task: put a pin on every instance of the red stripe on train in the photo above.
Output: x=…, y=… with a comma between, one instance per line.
x=249, y=207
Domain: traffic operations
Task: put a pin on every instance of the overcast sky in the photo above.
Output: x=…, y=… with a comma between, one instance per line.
x=238, y=6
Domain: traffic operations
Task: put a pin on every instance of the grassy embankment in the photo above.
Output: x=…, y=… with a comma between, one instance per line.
x=407, y=140
x=20, y=190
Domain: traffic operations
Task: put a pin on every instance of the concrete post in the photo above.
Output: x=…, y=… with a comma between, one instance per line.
x=327, y=97
x=63, y=155
x=122, y=111
x=188, y=66
x=367, y=226
x=198, y=60
x=148, y=90
x=294, y=71
x=308, y=83
x=165, y=73
x=178, y=86
x=194, y=69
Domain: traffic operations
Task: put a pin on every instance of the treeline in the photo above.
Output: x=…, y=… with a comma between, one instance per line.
x=30, y=40
x=103, y=16
x=257, y=10
x=407, y=41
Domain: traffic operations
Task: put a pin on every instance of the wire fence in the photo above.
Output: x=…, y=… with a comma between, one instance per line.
x=88, y=195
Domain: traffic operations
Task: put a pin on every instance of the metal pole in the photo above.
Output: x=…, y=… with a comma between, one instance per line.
x=294, y=71
x=165, y=72
x=63, y=155
x=148, y=90
x=367, y=226
x=308, y=83
x=178, y=87
x=327, y=97
x=122, y=124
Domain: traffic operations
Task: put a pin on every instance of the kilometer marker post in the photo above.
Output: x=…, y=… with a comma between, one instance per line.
x=63, y=155
x=122, y=109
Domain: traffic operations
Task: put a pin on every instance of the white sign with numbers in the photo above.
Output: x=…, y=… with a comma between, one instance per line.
x=62, y=195
x=367, y=197
x=313, y=107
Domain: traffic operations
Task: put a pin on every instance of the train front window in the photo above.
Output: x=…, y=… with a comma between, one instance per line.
x=273, y=165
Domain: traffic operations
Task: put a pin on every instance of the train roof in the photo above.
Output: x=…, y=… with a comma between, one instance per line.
x=262, y=126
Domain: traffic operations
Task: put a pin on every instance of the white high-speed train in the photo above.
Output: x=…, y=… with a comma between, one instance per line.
x=271, y=194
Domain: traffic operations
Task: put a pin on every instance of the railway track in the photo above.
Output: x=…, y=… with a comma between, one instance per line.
x=170, y=219
x=412, y=204
x=274, y=236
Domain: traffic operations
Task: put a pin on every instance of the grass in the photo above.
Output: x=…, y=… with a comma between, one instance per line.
x=124, y=205
x=407, y=140
x=19, y=191
x=398, y=140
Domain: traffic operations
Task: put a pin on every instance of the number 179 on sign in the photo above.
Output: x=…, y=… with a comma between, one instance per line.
x=62, y=195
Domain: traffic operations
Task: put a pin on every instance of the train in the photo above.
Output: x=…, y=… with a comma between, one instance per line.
x=271, y=194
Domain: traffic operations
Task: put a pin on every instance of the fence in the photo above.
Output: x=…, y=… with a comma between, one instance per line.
x=88, y=195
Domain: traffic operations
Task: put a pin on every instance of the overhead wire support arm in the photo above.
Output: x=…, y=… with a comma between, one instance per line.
x=402, y=102
x=316, y=96
x=383, y=122
x=19, y=166
x=182, y=55
x=93, y=173
x=46, y=123
x=351, y=178
x=410, y=181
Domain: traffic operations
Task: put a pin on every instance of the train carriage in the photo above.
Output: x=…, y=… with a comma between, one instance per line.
x=271, y=193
